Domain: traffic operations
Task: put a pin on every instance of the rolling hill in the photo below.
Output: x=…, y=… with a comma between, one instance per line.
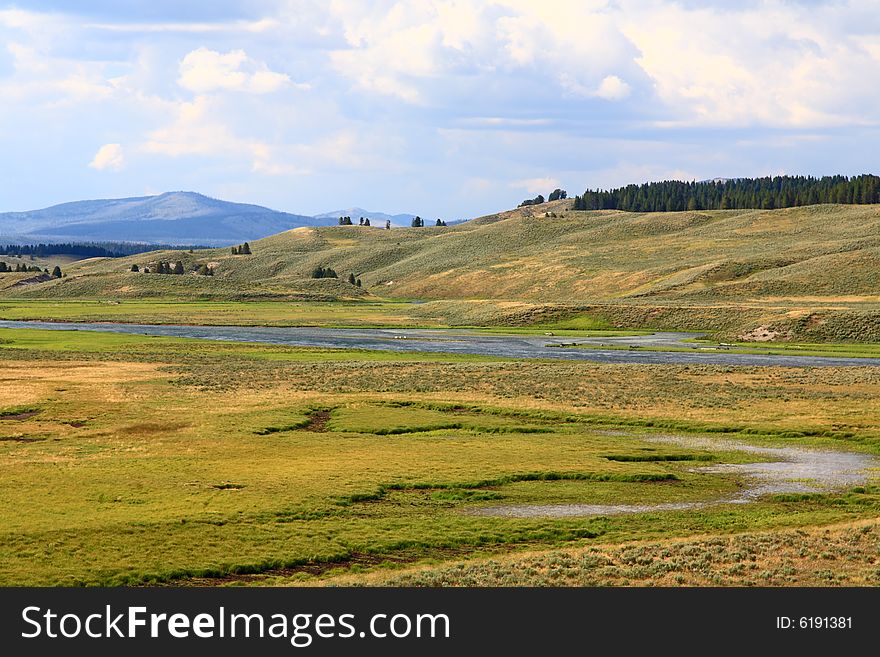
x=169, y=218
x=728, y=270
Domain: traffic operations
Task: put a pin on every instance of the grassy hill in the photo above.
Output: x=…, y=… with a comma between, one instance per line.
x=726, y=268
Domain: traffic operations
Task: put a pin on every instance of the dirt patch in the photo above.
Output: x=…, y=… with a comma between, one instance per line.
x=762, y=334
x=33, y=280
x=20, y=439
x=318, y=422
x=23, y=415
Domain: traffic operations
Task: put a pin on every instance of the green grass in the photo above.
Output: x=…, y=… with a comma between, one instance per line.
x=159, y=459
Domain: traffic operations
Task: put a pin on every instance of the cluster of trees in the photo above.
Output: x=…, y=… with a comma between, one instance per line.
x=4, y=268
x=327, y=272
x=241, y=249
x=324, y=272
x=532, y=201
x=418, y=222
x=86, y=249
x=165, y=268
x=739, y=193
x=555, y=195
x=346, y=221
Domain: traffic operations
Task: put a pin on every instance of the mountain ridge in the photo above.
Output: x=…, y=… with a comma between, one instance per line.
x=177, y=217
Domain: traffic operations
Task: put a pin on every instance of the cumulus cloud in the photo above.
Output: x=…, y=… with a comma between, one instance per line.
x=205, y=70
x=445, y=94
x=110, y=157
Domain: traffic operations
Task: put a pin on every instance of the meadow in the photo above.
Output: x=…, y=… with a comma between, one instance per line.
x=143, y=461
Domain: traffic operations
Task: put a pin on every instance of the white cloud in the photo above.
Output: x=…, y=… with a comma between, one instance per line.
x=536, y=185
x=110, y=157
x=204, y=70
x=613, y=88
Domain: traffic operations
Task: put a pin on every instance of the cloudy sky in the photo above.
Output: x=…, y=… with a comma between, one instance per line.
x=444, y=108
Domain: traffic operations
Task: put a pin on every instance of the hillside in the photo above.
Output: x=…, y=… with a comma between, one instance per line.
x=713, y=269
x=170, y=218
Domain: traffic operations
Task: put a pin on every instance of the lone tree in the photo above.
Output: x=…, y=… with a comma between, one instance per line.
x=557, y=194
x=135, y=268
x=351, y=278
x=56, y=273
x=367, y=221
x=388, y=224
x=417, y=222
x=245, y=249
x=358, y=282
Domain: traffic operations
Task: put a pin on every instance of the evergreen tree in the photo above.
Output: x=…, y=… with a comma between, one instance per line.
x=56, y=273
x=351, y=278
x=178, y=268
x=234, y=250
x=388, y=224
x=135, y=268
x=741, y=193
x=367, y=221
x=3, y=267
x=557, y=194
x=246, y=249
x=358, y=282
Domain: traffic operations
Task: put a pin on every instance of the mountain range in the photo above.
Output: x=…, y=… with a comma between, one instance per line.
x=184, y=218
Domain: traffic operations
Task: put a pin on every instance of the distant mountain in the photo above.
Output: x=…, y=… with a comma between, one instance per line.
x=374, y=217
x=169, y=218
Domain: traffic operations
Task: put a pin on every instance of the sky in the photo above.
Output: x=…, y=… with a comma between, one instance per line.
x=447, y=109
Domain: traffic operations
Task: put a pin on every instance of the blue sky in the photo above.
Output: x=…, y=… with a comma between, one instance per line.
x=446, y=109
